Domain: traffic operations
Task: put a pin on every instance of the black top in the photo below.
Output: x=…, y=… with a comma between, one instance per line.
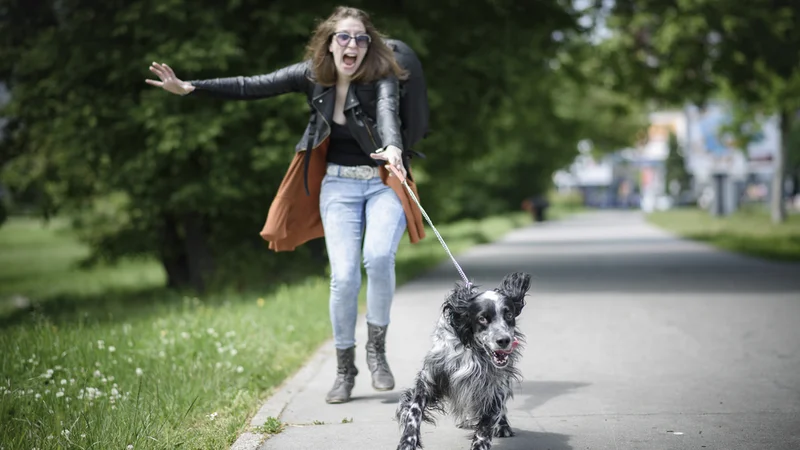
x=344, y=149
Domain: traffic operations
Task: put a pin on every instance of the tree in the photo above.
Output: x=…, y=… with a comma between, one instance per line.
x=675, y=165
x=679, y=51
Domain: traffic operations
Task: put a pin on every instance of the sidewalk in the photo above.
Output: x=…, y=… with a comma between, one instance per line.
x=636, y=340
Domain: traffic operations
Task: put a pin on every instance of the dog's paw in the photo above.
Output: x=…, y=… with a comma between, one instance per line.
x=503, y=431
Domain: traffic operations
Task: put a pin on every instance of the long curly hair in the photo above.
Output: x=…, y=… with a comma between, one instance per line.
x=378, y=62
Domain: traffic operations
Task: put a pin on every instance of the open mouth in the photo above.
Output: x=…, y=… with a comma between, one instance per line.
x=500, y=358
x=349, y=60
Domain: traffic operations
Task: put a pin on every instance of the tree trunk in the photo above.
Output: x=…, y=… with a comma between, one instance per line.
x=200, y=258
x=778, y=204
x=172, y=254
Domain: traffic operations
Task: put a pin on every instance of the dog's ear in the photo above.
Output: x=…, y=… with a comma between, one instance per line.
x=515, y=286
x=456, y=308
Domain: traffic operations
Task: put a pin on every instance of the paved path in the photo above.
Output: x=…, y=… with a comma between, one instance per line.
x=636, y=340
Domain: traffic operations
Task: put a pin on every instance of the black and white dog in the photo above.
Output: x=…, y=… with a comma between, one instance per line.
x=470, y=368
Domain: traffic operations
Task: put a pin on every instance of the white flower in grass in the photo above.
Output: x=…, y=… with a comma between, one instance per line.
x=129, y=447
x=59, y=394
x=185, y=335
x=101, y=345
x=38, y=396
x=139, y=372
x=161, y=354
x=218, y=365
x=48, y=374
x=98, y=374
x=112, y=349
x=239, y=369
x=63, y=381
x=212, y=416
x=65, y=433
x=233, y=352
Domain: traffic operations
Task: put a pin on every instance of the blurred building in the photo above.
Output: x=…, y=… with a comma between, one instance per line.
x=718, y=168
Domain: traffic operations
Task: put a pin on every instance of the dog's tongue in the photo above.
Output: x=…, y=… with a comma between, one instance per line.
x=513, y=346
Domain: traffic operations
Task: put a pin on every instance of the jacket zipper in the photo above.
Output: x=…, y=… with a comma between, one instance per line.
x=366, y=125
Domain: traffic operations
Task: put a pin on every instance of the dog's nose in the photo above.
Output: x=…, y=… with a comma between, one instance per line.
x=503, y=342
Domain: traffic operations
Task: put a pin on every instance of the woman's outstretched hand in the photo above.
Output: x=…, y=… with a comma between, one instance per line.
x=169, y=82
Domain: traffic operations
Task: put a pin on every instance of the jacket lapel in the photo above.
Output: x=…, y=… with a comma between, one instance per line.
x=323, y=100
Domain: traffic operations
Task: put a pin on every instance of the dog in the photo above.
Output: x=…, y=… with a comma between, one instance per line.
x=471, y=366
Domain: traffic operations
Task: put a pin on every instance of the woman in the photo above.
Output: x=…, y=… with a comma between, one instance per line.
x=335, y=186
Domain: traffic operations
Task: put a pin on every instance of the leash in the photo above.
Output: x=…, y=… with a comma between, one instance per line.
x=428, y=219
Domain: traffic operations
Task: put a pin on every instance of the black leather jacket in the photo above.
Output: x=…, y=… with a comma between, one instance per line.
x=371, y=109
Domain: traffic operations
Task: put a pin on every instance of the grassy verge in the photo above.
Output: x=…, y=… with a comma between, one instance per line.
x=748, y=231
x=140, y=367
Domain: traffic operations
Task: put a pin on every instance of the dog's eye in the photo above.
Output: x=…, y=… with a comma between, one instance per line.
x=509, y=315
x=482, y=320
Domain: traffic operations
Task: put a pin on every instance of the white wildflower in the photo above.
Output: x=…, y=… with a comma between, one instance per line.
x=112, y=349
x=139, y=372
x=212, y=416
x=63, y=381
x=59, y=394
x=185, y=335
x=129, y=447
x=239, y=369
x=233, y=352
x=38, y=396
x=162, y=354
x=101, y=345
x=98, y=374
x=65, y=433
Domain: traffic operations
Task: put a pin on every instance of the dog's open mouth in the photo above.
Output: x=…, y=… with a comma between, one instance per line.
x=500, y=357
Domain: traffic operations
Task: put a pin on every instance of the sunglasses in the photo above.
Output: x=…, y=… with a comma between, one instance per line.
x=343, y=39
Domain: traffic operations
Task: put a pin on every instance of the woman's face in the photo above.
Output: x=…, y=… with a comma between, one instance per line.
x=349, y=46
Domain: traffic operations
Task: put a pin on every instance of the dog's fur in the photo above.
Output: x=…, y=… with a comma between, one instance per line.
x=466, y=370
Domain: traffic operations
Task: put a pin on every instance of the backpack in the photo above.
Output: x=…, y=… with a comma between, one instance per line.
x=414, y=113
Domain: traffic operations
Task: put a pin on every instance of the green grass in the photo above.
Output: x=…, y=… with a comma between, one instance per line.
x=129, y=363
x=748, y=231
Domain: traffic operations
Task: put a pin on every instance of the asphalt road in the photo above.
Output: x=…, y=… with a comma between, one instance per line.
x=636, y=340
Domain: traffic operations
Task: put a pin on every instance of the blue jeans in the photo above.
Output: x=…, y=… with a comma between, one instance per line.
x=353, y=211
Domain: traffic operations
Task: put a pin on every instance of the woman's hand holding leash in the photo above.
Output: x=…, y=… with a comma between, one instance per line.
x=394, y=156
